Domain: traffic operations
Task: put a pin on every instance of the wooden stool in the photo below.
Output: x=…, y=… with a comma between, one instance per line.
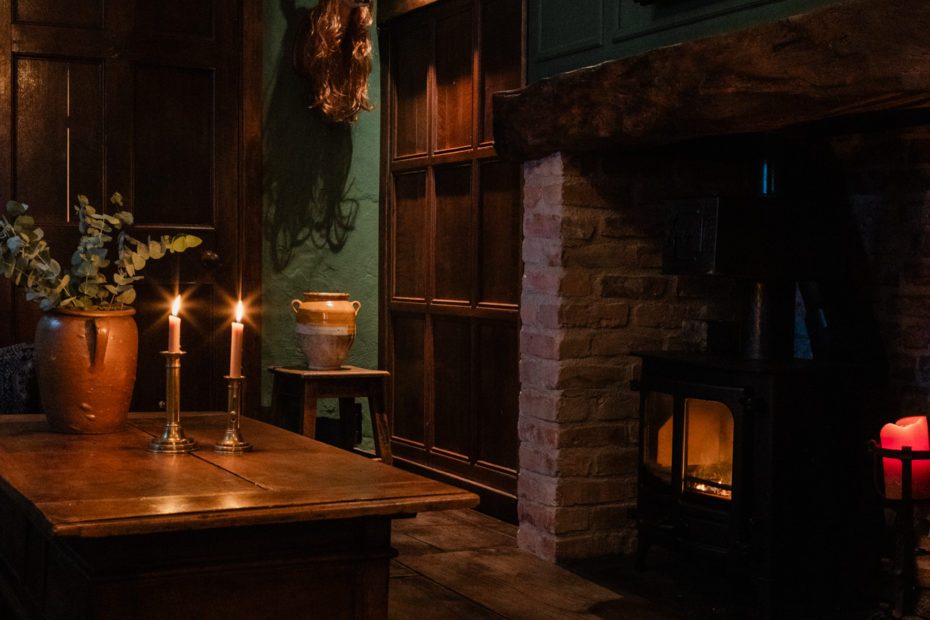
x=346, y=384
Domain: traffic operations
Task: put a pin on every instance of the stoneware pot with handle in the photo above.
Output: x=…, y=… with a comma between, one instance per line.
x=86, y=368
x=325, y=328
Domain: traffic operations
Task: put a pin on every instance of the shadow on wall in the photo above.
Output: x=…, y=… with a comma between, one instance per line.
x=307, y=161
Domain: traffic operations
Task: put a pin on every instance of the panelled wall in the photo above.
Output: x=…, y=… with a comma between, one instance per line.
x=451, y=242
x=568, y=34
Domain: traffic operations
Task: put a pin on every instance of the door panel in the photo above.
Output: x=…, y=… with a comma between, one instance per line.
x=452, y=380
x=501, y=233
x=145, y=98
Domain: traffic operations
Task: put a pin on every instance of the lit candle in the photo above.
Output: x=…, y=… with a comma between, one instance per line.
x=174, y=327
x=235, y=347
x=907, y=432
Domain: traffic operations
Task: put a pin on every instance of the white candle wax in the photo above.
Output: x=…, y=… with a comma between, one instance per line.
x=174, y=327
x=235, y=347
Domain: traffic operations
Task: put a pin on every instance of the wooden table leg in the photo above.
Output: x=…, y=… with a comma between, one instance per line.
x=379, y=421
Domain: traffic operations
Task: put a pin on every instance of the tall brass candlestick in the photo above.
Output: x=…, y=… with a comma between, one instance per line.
x=233, y=443
x=172, y=440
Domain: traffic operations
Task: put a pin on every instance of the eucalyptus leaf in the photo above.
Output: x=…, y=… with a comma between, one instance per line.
x=15, y=208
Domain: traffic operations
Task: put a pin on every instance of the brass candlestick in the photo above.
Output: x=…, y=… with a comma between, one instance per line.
x=172, y=440
x=233, y=443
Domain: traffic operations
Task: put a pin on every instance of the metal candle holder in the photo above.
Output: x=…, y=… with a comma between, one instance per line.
x=172, y=440
x=233, y=443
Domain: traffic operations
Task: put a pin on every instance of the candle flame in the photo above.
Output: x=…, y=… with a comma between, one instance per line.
x=176, y=306
x=239, y=312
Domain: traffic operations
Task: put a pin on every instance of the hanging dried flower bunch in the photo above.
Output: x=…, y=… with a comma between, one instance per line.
x=332, y=51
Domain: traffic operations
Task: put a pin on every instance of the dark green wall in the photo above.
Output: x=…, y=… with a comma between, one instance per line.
x=567, y=34
x=297, y=144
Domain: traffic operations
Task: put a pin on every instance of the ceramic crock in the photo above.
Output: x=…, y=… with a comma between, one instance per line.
x=86, y=368
x=325, y=328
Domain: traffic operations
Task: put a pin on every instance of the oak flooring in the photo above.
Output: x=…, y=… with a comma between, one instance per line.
x=463, y=564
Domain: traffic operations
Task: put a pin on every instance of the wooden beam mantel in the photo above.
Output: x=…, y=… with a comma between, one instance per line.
x=847, y=58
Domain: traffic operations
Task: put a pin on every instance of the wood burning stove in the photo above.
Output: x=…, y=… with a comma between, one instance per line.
x=754, y=462
x=753, y=457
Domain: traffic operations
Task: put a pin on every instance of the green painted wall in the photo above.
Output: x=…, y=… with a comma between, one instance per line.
x=567, y=34
x=297, y=145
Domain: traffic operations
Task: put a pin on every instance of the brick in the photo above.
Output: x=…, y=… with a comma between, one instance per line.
x=598, y=314
x=654, y=314
x=592, y=436
x=594, y=255
x=575, y=283
x=579, y=191
x=545, y=344
x=539, y=280
x=578, y=228
x=537, y=542
x=589, y=374
x=539, y=373
x=540, y=405
x=539, y=461
x=537, y=488
x=542, y=225
x=617, y=462
x=635, y=287
x=575, y=462
x=585, y=491
x=620, y=405
x=539, y=251
x=538, y=434
x=549, y=166
x=612, y=516
x=554, y=520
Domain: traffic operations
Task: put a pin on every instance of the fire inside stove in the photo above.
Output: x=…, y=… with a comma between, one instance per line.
x=706, y=462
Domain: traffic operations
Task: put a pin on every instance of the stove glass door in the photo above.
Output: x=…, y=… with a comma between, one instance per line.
x=708, y=448
x=658, y=420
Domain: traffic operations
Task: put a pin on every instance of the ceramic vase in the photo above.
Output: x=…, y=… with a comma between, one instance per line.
x=325, y=328
x=86, y=368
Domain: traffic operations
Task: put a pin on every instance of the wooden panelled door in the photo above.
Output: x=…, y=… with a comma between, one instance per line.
x=451, y=246
x=150, y=98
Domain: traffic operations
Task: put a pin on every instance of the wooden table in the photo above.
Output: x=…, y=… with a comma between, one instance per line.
x=295, y=393
x=98, y=527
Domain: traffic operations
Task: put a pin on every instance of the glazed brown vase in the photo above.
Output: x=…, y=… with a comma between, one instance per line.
x=325, y=328
x=86, y=368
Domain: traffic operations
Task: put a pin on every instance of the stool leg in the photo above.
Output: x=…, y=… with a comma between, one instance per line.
x=309, y=400
x=379, y=421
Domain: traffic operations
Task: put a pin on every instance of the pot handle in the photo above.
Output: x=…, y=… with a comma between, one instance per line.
x=295, y=304
x=101, y=337
x=357, y=305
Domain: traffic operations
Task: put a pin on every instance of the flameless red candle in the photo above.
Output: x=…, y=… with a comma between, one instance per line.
x=235, y=347
x=907, y=432
x=174, y=326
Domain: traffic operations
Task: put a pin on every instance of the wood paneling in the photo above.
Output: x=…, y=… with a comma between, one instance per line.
x=499, y=46
x=452, y=381
x=454, y=61
x=453, y=254
x=173, y=110
x=497, y=394
x=408, y=335
x=410, y=58
x=411, y=236
x=501, y=233
x=452, y=237
x=74, y=13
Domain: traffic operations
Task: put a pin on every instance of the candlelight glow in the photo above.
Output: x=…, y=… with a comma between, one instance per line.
x=176, y=306
x=239, y=312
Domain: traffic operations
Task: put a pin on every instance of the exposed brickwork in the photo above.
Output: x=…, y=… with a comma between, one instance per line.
x=593, y=293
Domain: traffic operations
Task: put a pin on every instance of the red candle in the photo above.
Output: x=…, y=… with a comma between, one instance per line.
x=907, y=432
x=174, y=327
x=235, y=347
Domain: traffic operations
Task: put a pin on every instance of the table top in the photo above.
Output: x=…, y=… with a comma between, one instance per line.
x=108, y=485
